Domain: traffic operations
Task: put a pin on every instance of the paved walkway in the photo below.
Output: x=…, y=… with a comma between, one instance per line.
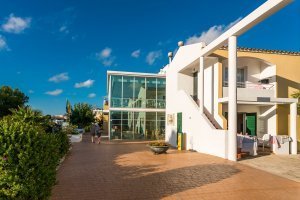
x=287, y=166
x=131, y=171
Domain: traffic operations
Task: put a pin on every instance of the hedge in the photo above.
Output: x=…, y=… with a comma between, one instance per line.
x=28, y=158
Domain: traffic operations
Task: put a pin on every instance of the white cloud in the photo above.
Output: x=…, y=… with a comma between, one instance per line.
x=16, y=24
x=211, y=34
x=64, y=29
x=3, y=44
x=153, y=56
x=30, y=91
x=92, y=95
x=54, y=92
x=105, y=56
x=87, y=84
x=136, y=53
x=59, y=78
x=105, y=53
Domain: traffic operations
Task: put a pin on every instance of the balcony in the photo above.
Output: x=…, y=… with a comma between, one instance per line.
x=251, y=90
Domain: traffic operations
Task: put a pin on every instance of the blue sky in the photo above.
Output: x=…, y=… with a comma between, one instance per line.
x=58, y=50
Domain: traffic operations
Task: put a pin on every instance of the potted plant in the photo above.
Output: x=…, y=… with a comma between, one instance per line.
x=158, y=147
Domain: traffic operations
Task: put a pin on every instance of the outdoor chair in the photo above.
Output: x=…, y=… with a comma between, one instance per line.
x=265, y=139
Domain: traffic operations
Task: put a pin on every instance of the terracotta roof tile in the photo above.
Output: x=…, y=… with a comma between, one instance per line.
x=268, y=51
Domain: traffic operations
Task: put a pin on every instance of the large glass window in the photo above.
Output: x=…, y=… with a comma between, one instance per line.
x=115, y=124
x=139, y=125
x=116, y=91
x=139, y=92
x=161, y=117
x=128, y=84
x=161, y=93
x=150, y=132
x=151, y=93
x=127, y=125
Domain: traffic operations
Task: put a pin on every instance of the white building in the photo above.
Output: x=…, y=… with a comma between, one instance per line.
x=210, y=87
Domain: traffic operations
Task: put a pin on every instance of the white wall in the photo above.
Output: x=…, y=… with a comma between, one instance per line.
x=201, y=135
x=185, y=83
x=268, y=120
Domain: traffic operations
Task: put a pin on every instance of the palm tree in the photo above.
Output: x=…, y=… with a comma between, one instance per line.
x=68, y=109
x=297, y=95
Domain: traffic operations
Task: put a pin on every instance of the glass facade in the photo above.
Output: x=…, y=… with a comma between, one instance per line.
x=137, y=125
x=137, y=92
x=132, y=94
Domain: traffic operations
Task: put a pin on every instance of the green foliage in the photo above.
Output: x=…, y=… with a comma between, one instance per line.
x=68, y=109
x=69, y=129
x=29, y=155
x=158, y=144
x=82, y=115
x=11, y=99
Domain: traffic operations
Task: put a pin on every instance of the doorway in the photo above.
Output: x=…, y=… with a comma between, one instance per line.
x=246, y=123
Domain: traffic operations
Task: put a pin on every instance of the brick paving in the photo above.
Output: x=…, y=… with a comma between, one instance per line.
x=131, y=171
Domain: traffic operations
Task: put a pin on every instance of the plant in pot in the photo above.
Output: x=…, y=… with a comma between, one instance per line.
x=159, y=147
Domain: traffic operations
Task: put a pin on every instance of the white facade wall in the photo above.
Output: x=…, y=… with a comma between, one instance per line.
x=201, y=135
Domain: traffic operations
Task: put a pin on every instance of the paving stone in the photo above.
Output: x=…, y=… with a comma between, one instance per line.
x=120, y=170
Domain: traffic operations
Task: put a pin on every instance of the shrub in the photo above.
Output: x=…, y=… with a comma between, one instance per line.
x=70, y=129
x=158, y=144
x=28, y=156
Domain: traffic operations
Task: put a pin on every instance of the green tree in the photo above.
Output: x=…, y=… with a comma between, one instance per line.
x=68, y=109
x=82, y=115
x=297, y=95
x=11, y=99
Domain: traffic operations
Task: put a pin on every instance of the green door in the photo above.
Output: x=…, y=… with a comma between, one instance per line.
x=179, y=122
x=251, y=124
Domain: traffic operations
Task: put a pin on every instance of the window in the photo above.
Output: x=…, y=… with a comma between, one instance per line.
x=161, y=93
x=139, y=92
x=128, y=85
x=116, y=91
x=151, y=92
x=240, y=77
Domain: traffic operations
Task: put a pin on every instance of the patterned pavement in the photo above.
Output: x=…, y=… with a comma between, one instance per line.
x=128, y=170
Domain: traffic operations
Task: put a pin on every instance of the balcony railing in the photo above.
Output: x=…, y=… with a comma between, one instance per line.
x=137, y=103
x=259, y=86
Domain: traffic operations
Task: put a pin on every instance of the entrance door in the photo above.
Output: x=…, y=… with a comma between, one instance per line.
x=179, y=122
x=251, y=123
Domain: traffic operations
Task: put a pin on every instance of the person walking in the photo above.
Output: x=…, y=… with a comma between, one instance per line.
x=93, y=132
x=98, y=133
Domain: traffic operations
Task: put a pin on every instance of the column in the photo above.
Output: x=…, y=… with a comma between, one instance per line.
x=293, y=127
x=201, y=84
x=232, y=99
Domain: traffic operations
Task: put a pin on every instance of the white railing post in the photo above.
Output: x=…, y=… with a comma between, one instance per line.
x=232, y=99
x=201, y=84
x=293, y=127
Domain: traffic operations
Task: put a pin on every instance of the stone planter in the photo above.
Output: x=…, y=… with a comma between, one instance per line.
x=159, y=149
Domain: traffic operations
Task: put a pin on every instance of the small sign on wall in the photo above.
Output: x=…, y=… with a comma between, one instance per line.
x=170, y=119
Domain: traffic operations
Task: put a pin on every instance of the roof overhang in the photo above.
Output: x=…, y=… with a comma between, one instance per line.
x=258, y=15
